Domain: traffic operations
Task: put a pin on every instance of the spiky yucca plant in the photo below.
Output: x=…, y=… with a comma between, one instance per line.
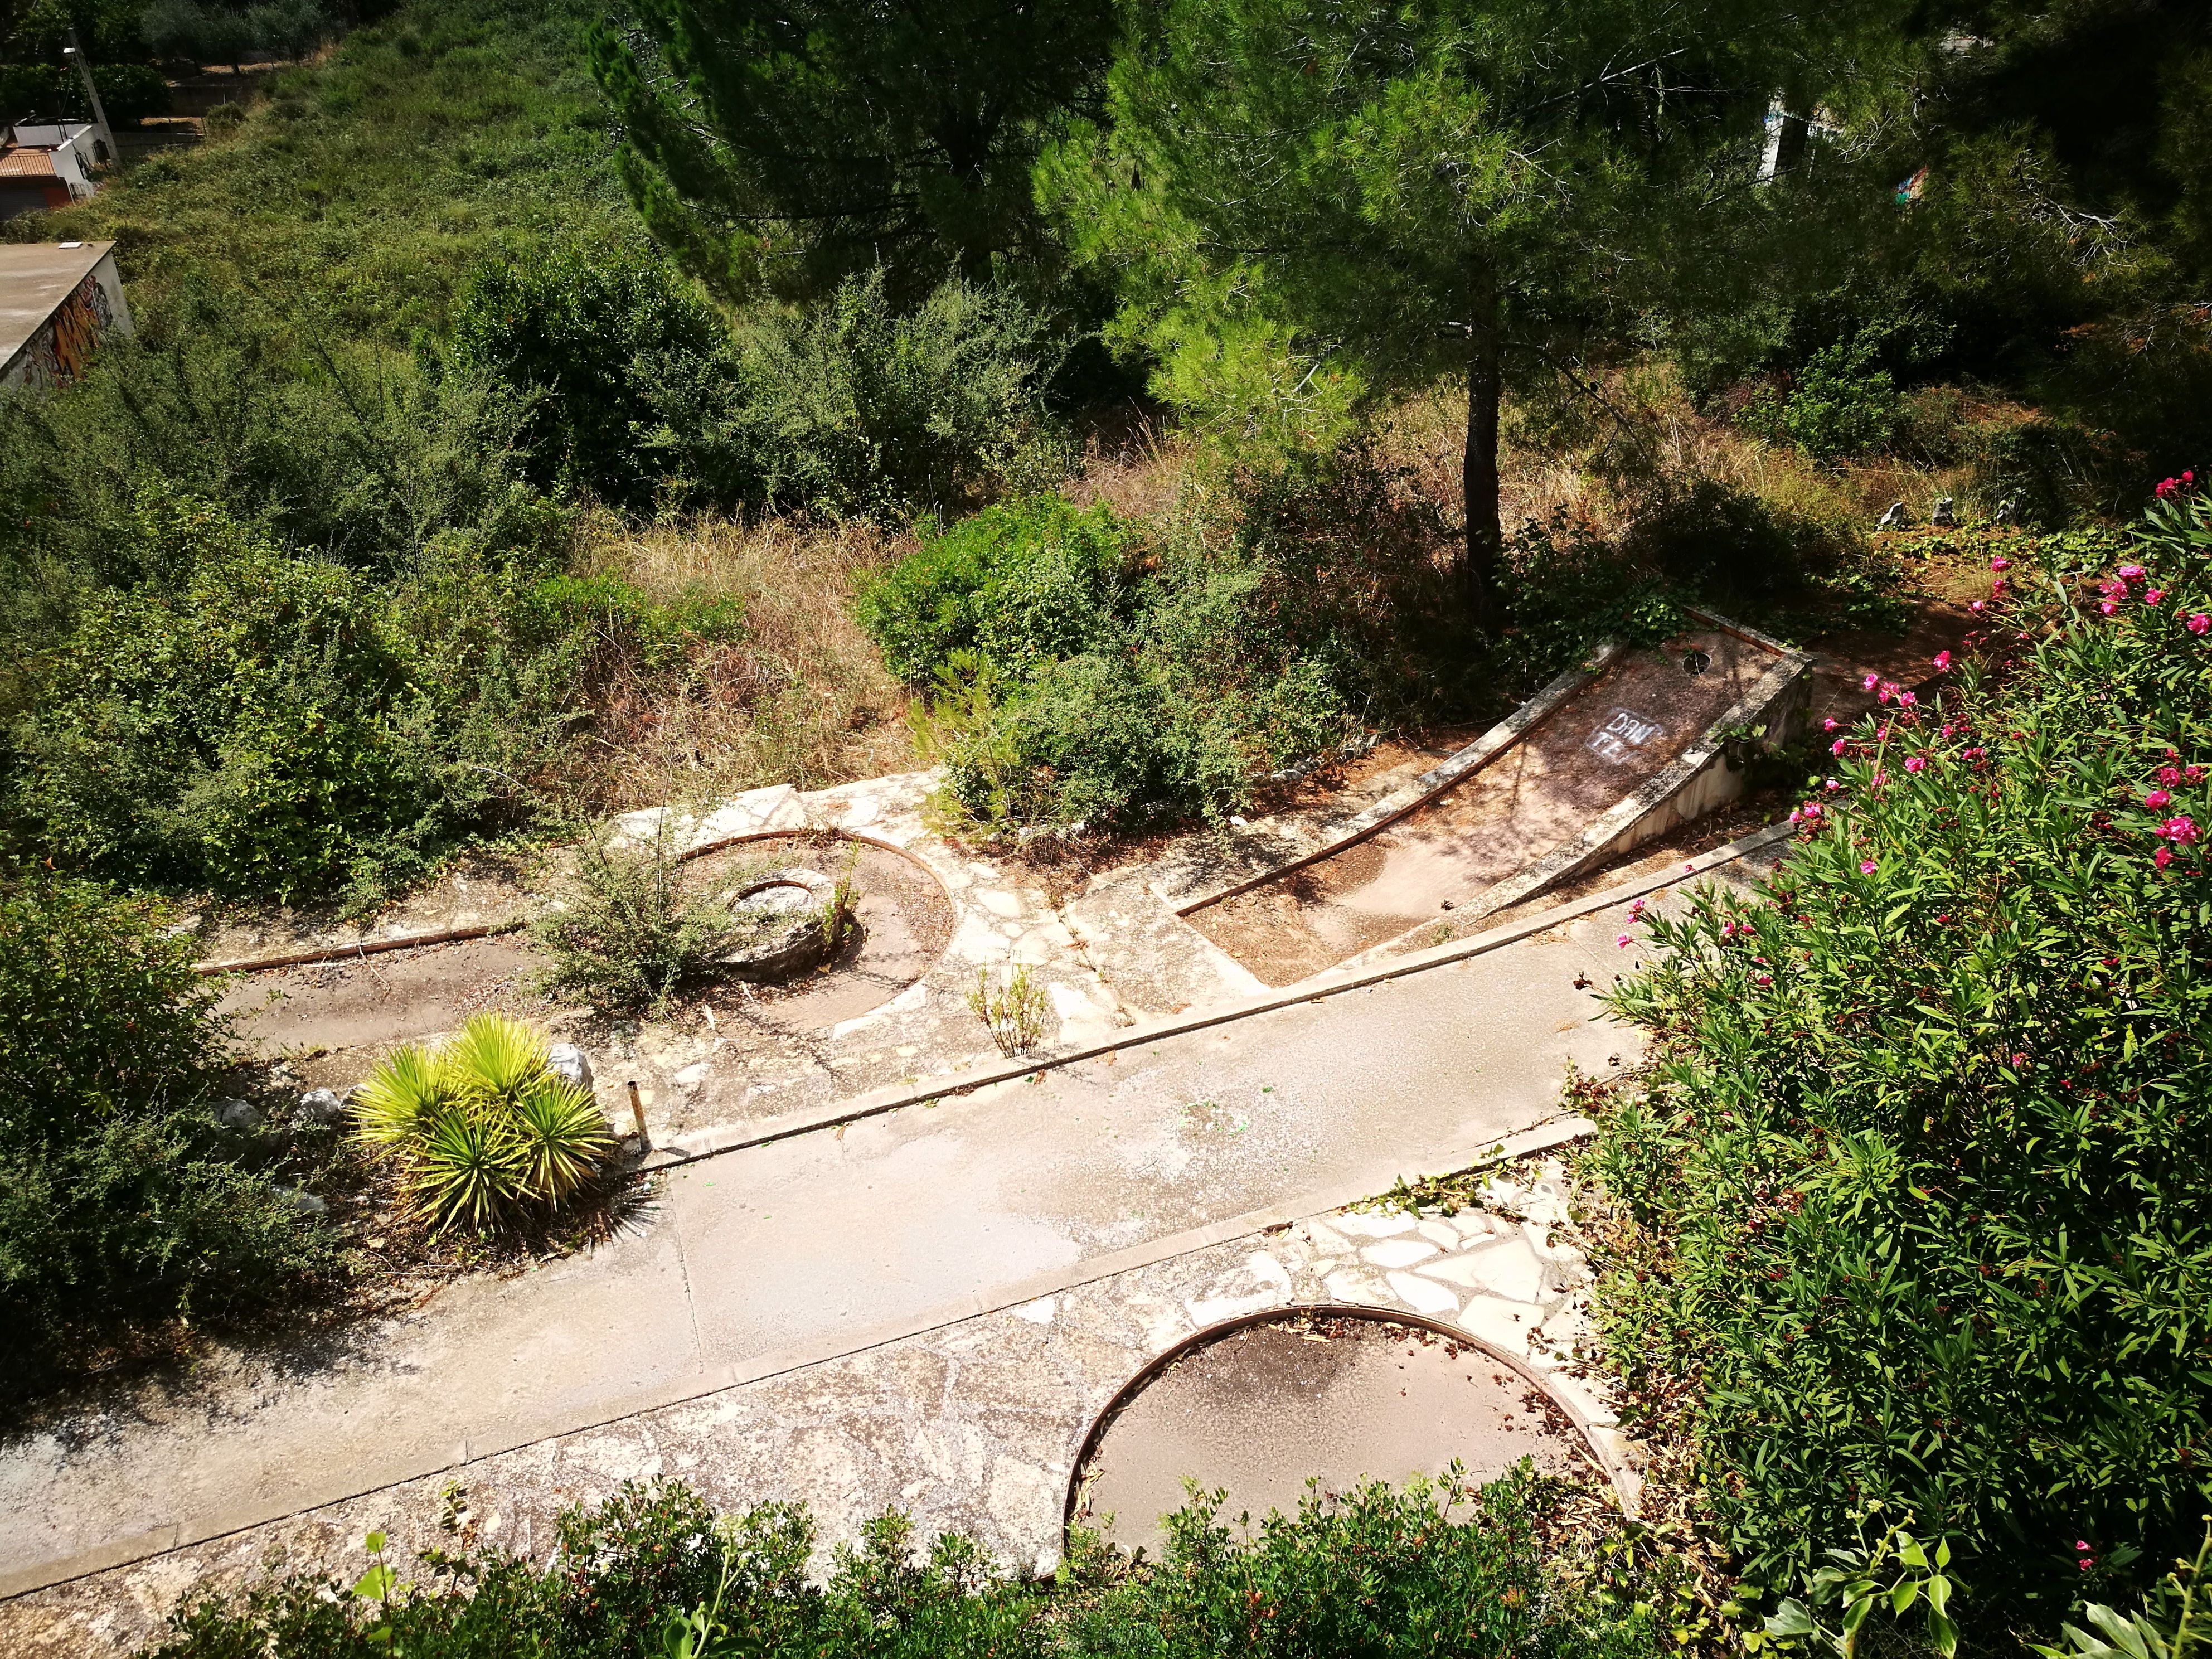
x=487, y=1133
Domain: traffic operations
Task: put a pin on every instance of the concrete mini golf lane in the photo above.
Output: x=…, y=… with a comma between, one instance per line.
x=769, y=1256
x=1626, y=726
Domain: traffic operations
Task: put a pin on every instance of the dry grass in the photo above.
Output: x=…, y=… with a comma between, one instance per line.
x=802, y=698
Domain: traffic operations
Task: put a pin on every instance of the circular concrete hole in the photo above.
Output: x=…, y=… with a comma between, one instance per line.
x=1333, y=1395
x=905, y=921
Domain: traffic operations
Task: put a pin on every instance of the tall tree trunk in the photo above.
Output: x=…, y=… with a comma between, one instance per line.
x=1485, y=532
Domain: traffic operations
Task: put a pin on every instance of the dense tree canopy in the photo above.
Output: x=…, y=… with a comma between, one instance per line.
x=1306, y=201
x=792, y=145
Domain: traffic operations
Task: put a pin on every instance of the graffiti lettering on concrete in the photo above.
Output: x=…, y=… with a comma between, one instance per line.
x=66, y=344
x=1622, y=732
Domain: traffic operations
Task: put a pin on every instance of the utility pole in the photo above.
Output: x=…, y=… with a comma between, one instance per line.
x=74, y=53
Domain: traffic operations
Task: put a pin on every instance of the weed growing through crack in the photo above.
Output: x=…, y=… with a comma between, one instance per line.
x=1013, y=1012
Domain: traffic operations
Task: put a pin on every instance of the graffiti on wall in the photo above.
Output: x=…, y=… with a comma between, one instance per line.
x=61, y=350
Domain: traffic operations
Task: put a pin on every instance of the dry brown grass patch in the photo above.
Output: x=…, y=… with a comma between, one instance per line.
x=800, y=697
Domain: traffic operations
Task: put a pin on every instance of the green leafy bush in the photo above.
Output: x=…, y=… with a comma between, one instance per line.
x=579, y=337
x=125, y=1204
x=488, y=1136
x=1840, y=403
x=856, y=406
x=1021, y=583
x=1915, y=1195
x=1089, y=671
x=632, y=929
x=1449, y=1572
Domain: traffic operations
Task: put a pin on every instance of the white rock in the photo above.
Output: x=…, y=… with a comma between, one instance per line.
x=1327, y=1239
x=1363, y=1223
x=1423, y=1295
x=301, y=1203
x=320, y=1106
x=1214, y=1310
x=1507, y=1269
x=1355, y=1287
x=238, y=1115
x=1440, y=1234
x=1039, y=1312
x=1268, y=1270
x=690, y=1077
x=1397, y=1252
x=566, y=1060
x=1501, y=1323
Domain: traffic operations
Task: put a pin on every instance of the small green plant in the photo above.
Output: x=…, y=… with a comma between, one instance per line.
x=839, y=912
x=486, y=1134
x=632, y=930
x=1896, y=1570
x=2173, y=1624
x=1013, y=1012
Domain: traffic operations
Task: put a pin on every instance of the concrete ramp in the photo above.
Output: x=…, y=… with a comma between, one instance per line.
x=1611, y=759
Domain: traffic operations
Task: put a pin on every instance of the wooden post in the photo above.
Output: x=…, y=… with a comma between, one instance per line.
x=637, y=1112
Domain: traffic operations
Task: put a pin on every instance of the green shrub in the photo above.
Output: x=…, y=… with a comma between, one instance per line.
x=579, y=338
x=1840, y=403
x=1921, y=1174
x=125, y=1204
x=253, y=728
x=854, y=406
x=1020, y=583
x=486, y=1135
x=632, y=929
x=653, y=1571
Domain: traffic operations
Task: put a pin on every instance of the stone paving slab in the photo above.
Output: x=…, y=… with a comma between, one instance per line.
x=974, y=1425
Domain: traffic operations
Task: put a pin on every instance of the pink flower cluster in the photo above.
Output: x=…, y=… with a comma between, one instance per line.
x=2169, y=488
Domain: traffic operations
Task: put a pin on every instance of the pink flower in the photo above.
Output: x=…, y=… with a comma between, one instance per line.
x=2163, y=857
x=2130, y=573
x=2156, y=798
x=1996, y=585
x=2180, y=831
x=2169, y=777
x=1943, y=659
x=1689, y=869
x=1623, y=941
x=2167, y=487
x=2194, y=775
x=2198, y=622
x=2019, y=1060
x=1766, y=979
x=1828, y=724
x=2152, y=595
x=2000, y=562
x=1636, y=910
x=1832, y=786
x=1870, y=681
x=1907, y=700
x=2105, y=607
x=1866, y=867
x=1975, y=607
x=1916, y=763
x=1838, y=746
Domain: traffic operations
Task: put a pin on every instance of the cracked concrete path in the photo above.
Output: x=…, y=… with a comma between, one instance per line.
x=773, y=1255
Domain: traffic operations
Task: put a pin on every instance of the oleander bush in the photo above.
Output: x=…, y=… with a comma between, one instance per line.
x=486, y=1135
x=1914, y=1203
x=1372, y=1574
x=126, y=1206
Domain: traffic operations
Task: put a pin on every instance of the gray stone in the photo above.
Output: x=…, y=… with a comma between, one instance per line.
x=1943, y=518
x=1895, y=518
x=301, y=1203
x=320, y=1106
x=240, y=1114
x=2008, y=510
x=566, y=1061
